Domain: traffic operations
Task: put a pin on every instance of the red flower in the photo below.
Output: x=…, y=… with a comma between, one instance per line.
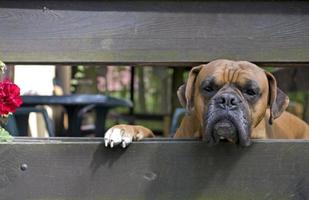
x=9, y=97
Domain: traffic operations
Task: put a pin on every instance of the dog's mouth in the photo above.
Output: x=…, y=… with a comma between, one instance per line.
x=232, y=127
x=225, y=130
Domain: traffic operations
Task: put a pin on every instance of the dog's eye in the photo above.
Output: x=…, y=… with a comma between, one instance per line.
x=250, y=92
x=208, y=88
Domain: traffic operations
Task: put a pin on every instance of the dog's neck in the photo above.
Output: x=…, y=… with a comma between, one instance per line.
x=189, y=127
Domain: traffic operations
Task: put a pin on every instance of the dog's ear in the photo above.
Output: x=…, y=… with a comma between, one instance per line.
x=278, y=101
x=185, y=92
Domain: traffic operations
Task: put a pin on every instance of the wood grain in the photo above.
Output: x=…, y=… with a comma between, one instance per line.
x=154, y=32
x=153, y=169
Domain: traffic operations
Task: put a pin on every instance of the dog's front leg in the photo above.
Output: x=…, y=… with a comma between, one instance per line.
x=124, y=135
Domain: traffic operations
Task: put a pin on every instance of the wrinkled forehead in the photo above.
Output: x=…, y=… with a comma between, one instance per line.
x=240, y=72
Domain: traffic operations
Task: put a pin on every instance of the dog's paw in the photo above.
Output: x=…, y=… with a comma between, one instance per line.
x=124, y=135
x=115, y=136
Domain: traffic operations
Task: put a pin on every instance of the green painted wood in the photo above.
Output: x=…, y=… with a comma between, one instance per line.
x=55, y=169
x=153, y=32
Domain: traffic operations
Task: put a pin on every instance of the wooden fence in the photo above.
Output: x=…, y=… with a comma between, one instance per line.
x=153, y=169
x=169, y=33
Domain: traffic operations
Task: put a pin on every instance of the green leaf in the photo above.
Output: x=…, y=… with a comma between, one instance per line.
x=5, y=135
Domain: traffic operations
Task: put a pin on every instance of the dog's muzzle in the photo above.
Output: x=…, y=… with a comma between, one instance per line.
x=227, y=118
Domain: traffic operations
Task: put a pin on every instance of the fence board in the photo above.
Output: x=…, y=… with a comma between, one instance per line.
x=153, y=169
x=153, y=32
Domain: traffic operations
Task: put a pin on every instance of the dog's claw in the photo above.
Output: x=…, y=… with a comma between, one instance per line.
x=106, y=142
x=124, y=144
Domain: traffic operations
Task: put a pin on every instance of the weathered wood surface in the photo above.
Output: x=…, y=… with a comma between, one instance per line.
x=154, y=169
x=153, y=32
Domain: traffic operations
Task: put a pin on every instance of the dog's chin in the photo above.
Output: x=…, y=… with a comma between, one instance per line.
x=225, y=130
x=227, y=127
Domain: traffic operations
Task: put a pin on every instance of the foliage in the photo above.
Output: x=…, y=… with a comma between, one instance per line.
x=5, y=135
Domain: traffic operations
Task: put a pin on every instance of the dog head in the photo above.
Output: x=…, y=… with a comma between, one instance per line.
x=230, y=98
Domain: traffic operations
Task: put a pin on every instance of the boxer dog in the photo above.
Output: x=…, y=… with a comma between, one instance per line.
x=225, y=99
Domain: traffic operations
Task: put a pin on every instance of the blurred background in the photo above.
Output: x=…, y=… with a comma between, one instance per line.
x=152, y=91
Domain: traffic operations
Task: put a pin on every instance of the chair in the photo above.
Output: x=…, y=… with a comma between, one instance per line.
x=14, y=125
x=177, y=116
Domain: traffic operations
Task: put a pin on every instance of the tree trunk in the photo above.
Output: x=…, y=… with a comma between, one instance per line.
x=141, y=90
x=176, y=82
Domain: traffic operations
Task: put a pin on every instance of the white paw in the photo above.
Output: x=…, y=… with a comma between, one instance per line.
x=116, y=136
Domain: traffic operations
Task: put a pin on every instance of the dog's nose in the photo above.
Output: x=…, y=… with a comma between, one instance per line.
x=227, y=101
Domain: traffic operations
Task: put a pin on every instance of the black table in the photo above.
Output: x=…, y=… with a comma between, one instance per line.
x=74, y=105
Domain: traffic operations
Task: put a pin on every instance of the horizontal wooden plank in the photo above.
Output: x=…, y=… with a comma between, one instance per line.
x=153, y=32
x=153, y=169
